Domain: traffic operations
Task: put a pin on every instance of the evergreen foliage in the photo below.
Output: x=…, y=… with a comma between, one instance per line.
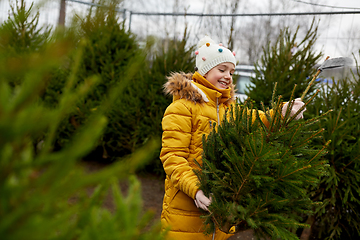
x=136, y=115
x=258, y=177
x=109, y=54
x=339, y=217
x=139, y=111
x=282, y=65
x=21, y=34
x=48, y=194
x=147, y=97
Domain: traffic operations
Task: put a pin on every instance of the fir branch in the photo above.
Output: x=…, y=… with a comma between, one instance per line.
x=245, y=180
x=311, y=121
x=296, y=130
x=215, y=174
x=268, y=117
x=293, y=172
x=277, y=114
x=352, y=161
x=308, y=139
x=337, y=122
x=311, y=82
x=273, y=96
x=291, y=102
x=285, y=163
x=238, y=170
x=321, y=150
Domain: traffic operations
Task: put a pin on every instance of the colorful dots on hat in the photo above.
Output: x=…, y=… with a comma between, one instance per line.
x=210, y=54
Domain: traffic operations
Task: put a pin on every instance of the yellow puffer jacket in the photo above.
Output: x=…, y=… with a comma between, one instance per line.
x=193, y=112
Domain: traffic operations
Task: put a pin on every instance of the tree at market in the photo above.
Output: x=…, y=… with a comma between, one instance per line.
x=259, y=177
x=47, y=194
x=338, y=217
x=22, y=35
x=287, y=61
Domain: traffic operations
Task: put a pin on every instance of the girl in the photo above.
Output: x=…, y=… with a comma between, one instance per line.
x=199, y=102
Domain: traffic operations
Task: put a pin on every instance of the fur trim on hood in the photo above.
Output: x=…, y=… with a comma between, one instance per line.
x=181, y=85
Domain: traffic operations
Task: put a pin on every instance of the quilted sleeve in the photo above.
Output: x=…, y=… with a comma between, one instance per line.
x=177, y=126
x=262, y=116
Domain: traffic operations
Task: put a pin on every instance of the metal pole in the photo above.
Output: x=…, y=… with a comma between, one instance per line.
x=130, y=21
x=62, y=13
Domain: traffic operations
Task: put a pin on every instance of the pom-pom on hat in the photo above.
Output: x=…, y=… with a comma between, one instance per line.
x=211, y=54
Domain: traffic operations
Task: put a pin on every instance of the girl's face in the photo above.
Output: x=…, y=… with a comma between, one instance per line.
x=221, y=75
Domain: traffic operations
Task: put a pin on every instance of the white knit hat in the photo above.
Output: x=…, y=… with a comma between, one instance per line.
x=210, y=54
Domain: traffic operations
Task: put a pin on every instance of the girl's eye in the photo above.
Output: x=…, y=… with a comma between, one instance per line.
x=221, y=70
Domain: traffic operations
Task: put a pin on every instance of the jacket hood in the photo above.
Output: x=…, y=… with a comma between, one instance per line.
x=180, y=85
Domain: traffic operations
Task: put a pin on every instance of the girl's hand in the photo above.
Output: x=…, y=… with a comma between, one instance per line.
x=201, y=201
x=297, y=105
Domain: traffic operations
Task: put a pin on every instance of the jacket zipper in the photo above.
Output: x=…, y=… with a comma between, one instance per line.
x=217, y=110
x=217, y=114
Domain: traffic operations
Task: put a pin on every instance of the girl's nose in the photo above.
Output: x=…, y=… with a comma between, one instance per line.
x=227, y=75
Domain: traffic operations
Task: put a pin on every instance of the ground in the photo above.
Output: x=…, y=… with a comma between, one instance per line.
x=152, y=188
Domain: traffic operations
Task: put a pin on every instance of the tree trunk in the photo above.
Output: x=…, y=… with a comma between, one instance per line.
x=306, y=233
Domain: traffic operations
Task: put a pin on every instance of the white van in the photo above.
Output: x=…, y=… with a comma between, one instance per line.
x=243, y=74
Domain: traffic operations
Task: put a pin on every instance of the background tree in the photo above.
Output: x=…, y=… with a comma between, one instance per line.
x=21, y=33
x=48, y=194
x=141, y=108
x=279, y=64
x=136, y=114
x=109, y=52
x=334, y=220
x=338, y=218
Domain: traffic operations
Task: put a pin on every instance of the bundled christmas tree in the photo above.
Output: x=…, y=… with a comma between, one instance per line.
x=259, y=176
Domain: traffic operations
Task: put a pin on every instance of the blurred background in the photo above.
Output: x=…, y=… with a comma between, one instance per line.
x=244, y=26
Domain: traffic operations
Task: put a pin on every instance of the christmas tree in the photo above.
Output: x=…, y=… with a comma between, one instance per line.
x=259, y=176
x=287, y=62
x=47, y=194
x=338, y=217
x=111, y=53
x=23, y=35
